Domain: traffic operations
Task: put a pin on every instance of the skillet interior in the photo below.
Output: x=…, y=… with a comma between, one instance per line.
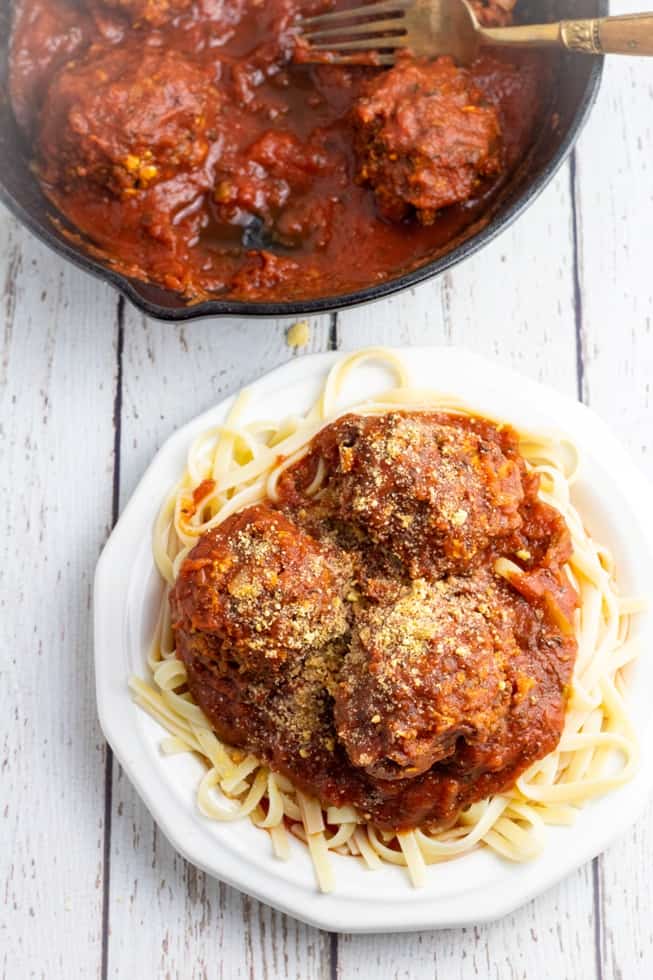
x=575, y=89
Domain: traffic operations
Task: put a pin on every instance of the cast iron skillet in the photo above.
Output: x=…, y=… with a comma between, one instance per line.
x=575, y=91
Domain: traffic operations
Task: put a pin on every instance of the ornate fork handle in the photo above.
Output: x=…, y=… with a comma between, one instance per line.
x=630, y=34
x=582, y=35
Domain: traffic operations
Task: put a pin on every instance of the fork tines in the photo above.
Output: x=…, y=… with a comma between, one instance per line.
x=378, y=35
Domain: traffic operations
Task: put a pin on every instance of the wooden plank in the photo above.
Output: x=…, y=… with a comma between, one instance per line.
x=56, y=444
x=550, y=939
x=173, y=373
x=615, y=217
x=509, y=304
x=168, y=919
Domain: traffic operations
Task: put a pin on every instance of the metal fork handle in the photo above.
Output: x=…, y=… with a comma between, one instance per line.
x=630, y=34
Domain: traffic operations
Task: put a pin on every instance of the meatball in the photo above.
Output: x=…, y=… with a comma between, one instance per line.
x=424, y=670
x=260, y=622
x=45, y=35
x=156, y=13
x=263, y=589
x=425, y=138
x=126, y=119
x=280, y=710
x=432, y=490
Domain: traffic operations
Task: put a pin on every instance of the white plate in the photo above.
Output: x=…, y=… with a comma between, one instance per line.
x=615, y=500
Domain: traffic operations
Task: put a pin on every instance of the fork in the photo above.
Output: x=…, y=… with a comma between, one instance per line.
x=432, y=27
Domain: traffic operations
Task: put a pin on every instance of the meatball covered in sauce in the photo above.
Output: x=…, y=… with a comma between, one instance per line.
x=127, y=120
x=433, y=492
x=260, y=618
x=424, y=670
x=45, y=35
x=425, y=138
x=263, y=589
x=156, y=13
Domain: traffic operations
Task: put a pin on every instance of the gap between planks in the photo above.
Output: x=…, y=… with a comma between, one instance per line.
x=576, y=232
x=108, y=766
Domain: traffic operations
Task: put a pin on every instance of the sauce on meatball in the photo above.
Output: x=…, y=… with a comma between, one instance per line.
x=426, y=138
x=153, y=12
x=424, y=669
x=433, y=491
x=263, y=589
x=126, y=121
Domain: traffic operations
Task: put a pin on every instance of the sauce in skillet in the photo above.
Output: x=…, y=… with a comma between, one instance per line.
x=184, y=139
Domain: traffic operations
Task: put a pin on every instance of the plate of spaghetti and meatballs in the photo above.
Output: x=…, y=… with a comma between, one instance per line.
x=383, y=629
x=185, y=144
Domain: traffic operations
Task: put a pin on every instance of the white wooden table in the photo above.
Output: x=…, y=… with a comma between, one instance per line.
x=88, y=390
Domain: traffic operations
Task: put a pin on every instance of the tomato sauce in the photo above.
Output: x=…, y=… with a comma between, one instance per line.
x=190, y=147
